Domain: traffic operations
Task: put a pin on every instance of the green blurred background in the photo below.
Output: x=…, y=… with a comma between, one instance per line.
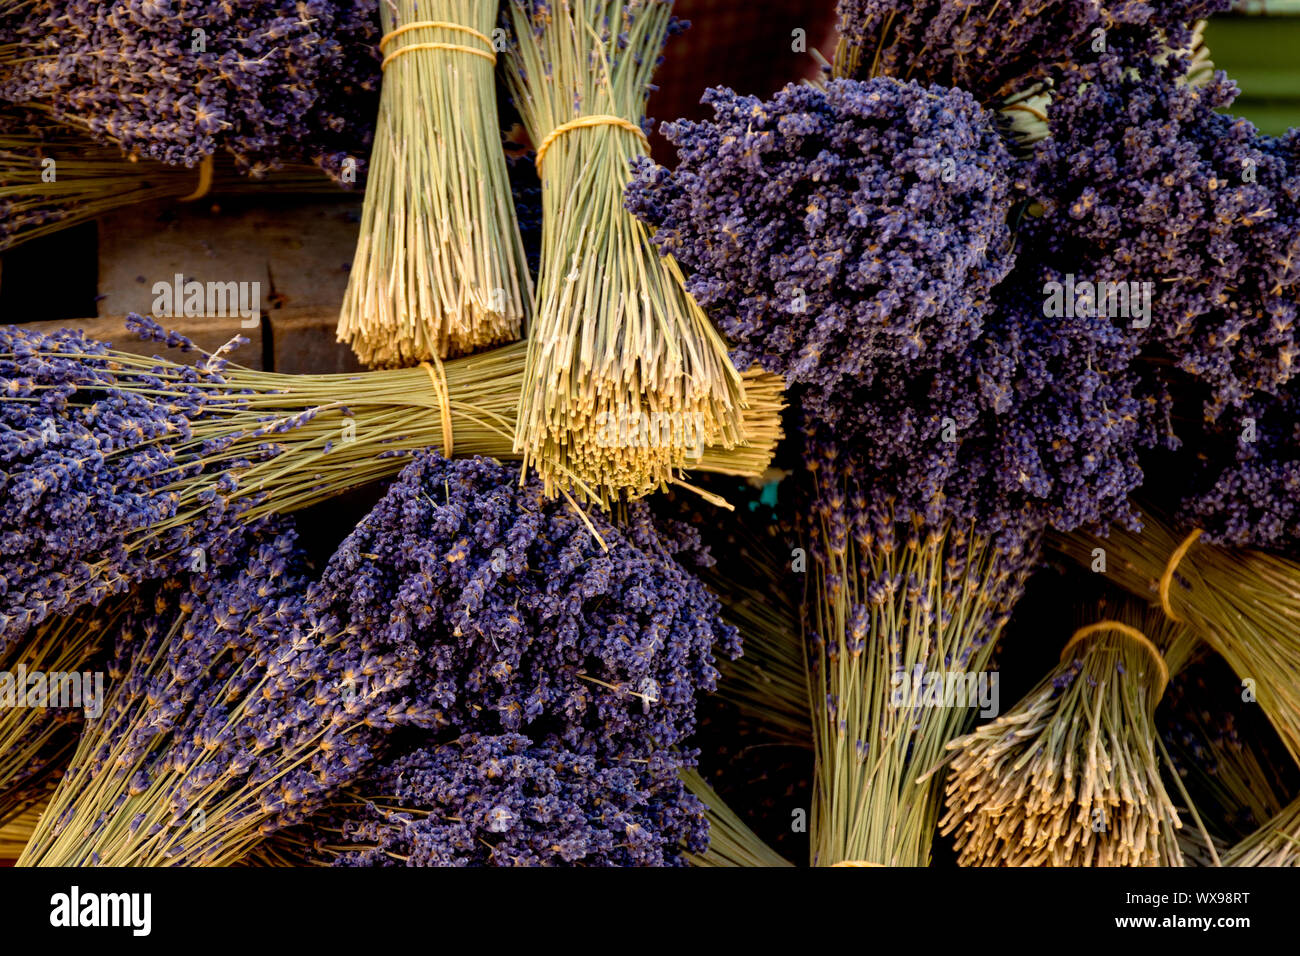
x=1259, y=47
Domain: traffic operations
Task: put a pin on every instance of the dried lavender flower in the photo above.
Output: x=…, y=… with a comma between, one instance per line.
x=505, y=800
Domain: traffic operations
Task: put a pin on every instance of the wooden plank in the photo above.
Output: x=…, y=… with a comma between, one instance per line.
x=298, y=250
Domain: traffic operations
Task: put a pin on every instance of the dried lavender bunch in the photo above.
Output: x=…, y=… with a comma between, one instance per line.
x=1242, y=603
x=439, y=267
x=1070, y=775
x=837, y=233
x=505, y=800
x=1231, y=769
x=267, y=82
x=920, y=549
x=531, y=616
x=37, y=734
x=235, y=710
x=616, y=340
x=119, y=468
x=892, y=599
x=989, y=49
x=91, y=179
x=1180, y=196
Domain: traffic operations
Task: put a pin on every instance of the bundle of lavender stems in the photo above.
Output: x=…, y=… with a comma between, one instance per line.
x=1071, y=775
x=120, y=468
x=545, y=657
x=53, y=178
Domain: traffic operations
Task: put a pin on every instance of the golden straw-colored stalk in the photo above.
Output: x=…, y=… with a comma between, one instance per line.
x=87, y=180
x=34, y=740
x=1276, y=843
x=440, y=268
x=15, y=833
x=1070, y=776
x=731, y=842
x=1245, y=604
x=625, y=373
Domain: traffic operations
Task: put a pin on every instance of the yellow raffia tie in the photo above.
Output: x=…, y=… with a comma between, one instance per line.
x=583, y=122
x=1167, y=578
x=855, y=863
x=1128, y=631
x=438, y=376
x=488, y=54
x=205, y=181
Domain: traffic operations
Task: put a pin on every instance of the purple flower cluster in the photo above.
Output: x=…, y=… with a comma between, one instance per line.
x=914, y=348
x=990, y=49
x=269, y=81
x=521, y=620
x=230, y=698
x=507, y=801
x=1143, y=181
x=86, y=467
x=844, y=238
x=1247, y=477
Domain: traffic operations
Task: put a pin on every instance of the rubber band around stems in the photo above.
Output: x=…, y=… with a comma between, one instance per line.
x=438, y=376
x=583, y=122
x=205, y=181
x=488, y=54
x=1167, y=578
x=1118, y=627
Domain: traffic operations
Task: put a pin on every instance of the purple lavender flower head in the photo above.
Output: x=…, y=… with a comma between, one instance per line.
x=270, y=82
x=504, y=800
x=990, y=49
x=835, y=234
x=521, y=621
x=1145, y=181
x=86, y=467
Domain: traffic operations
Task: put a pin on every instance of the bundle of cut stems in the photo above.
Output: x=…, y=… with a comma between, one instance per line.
x=276, y=442
x=731, y=842
x=88, y=180
x=1245, y=604
x=1276, y=843
x=37, y=736
x=902, y=622
x=767, y=683
x=1070, y=775
x=1235, y=783
x=440, y=268
x=16, y=832
x=625, y=373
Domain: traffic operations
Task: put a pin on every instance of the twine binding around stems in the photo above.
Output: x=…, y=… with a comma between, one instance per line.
x=1167, y=578
x=488, y=54
x=582, y=122
x=1129, y=631
x=205, y=181
x=438, y=375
